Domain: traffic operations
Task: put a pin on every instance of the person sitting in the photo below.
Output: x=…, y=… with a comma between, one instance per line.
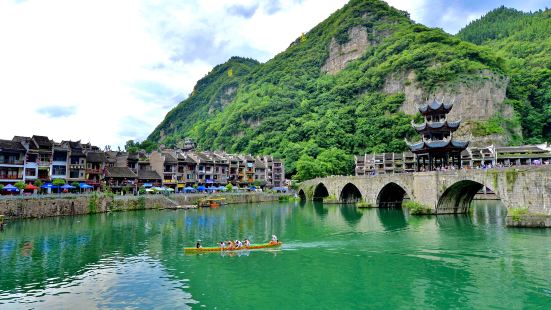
x=198, y=244
x=274, y=240
x=238, y=244
x=230, y=245
x=222, y=244
x=247, y=242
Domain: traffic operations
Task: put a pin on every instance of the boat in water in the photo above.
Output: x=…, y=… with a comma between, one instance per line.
x=242, y=248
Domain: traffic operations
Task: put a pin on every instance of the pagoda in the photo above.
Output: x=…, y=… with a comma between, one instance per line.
x=437, y=149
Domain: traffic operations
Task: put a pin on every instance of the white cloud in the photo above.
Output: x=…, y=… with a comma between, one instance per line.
x=118, y=64
x=109, y=65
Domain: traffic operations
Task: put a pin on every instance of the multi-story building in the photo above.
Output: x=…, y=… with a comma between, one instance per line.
x=60, y=157
x=471, y=158
x=187, y=170
x=275, y=171
x=96, y=163
x=118, y=178
x=12, y=162
x=166, y=165
x=42, y=146
x=77, y=162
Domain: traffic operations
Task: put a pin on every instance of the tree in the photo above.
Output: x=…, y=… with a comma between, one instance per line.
x=20, y=186
x=38, y=183
x=58, y=183
x=229, y=187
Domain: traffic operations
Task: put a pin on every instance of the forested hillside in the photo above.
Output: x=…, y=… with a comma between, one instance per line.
x=315, y=120
x=524, y=41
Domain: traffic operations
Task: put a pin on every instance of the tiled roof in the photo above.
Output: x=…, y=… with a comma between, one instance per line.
x=42, y=141
x=169, y=159
x=96, y=157
x=120, y=172
x=10, y=145
x=148, y=175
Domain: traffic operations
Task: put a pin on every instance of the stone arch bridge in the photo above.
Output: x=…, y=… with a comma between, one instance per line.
x=442, y=192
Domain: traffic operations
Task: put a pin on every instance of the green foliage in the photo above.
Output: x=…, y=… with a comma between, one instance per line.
x=517, y=213
x=58, y=182
x=132, y=146
x=38, y=183
x=93, y=203
x=75, y=184
x=289, y=108
x=20, y=185
x=332, y=161
x=363, y=204
x=523, y=40
x=491, y=126
x=229, y=187
x=1, y=187
x=416, y=208
x=142, y=191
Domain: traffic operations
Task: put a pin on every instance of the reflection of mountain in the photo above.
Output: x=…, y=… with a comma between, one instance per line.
x=351, y=214
x=320, y=209
x=391, y=218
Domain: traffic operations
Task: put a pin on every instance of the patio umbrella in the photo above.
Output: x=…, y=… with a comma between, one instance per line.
x=212, y=188
x=221, y=188
x=147, y=185
x=201, y=188
x=252, y=187
x=85, y=186
x=189, y=189
x=31, y=187
x=10, y=187
x=67, y=186
x=169, y=189
x=48, y=185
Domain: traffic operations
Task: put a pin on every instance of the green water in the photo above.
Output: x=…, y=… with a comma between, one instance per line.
x=334, y=257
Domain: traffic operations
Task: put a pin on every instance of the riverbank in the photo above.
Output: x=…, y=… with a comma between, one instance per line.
x=49, y=206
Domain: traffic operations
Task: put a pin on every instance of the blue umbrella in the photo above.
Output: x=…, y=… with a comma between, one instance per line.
x=201, y=188
x=48, y=185
x=85, y=186
x=147, y=185
x=10, y=187
x=210, y=189
x=221, y=188
x=252, y=187
x=189, y=189
x=67, y=186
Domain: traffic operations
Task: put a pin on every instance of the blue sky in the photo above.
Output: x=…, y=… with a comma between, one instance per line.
x=108, y=71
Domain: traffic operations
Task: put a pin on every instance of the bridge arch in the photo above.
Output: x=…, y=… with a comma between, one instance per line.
x=458, y=197
x=320, y=192
x=350, y=194
x=391, y=196
x=302, y=195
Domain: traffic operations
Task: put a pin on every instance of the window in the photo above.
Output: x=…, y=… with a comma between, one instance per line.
x=59, y=170
x=30, y=172
x=73, y=174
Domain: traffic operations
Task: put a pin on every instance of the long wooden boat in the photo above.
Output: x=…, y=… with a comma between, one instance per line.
x=219, y=249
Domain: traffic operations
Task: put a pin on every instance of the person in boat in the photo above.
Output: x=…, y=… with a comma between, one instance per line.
x=222, y=244
x=231, y=246
x=247, y=242
x=238, y=244
x=198, y=244
x=274, y=240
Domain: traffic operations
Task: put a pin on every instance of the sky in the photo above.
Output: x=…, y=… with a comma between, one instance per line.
x=105, y=71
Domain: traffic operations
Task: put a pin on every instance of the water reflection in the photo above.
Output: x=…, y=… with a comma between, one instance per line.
x=123, y=260
x=320, y=209
x=392, y=218
x=351, y=214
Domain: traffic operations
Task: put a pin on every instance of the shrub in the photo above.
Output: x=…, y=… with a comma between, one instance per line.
x=416, y=208
x=363, y=204
x=518, y=213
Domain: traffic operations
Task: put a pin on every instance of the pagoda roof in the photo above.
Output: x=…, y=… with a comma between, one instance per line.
x=438, y=144
x=446, y=125
x=435, y=106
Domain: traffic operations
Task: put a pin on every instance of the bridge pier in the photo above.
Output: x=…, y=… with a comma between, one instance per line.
x=525, y=191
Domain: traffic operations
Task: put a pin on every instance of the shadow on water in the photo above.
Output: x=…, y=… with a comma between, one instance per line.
x=351, y=214
x=392, y=218
x=320, y=209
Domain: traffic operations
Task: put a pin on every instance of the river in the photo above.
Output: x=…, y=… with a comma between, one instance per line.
x=333, y=257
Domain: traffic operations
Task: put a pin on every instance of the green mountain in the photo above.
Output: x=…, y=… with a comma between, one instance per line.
x=348, y=86
x=524, y=40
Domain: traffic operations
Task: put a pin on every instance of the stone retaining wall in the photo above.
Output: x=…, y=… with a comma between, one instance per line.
x=38, y=207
